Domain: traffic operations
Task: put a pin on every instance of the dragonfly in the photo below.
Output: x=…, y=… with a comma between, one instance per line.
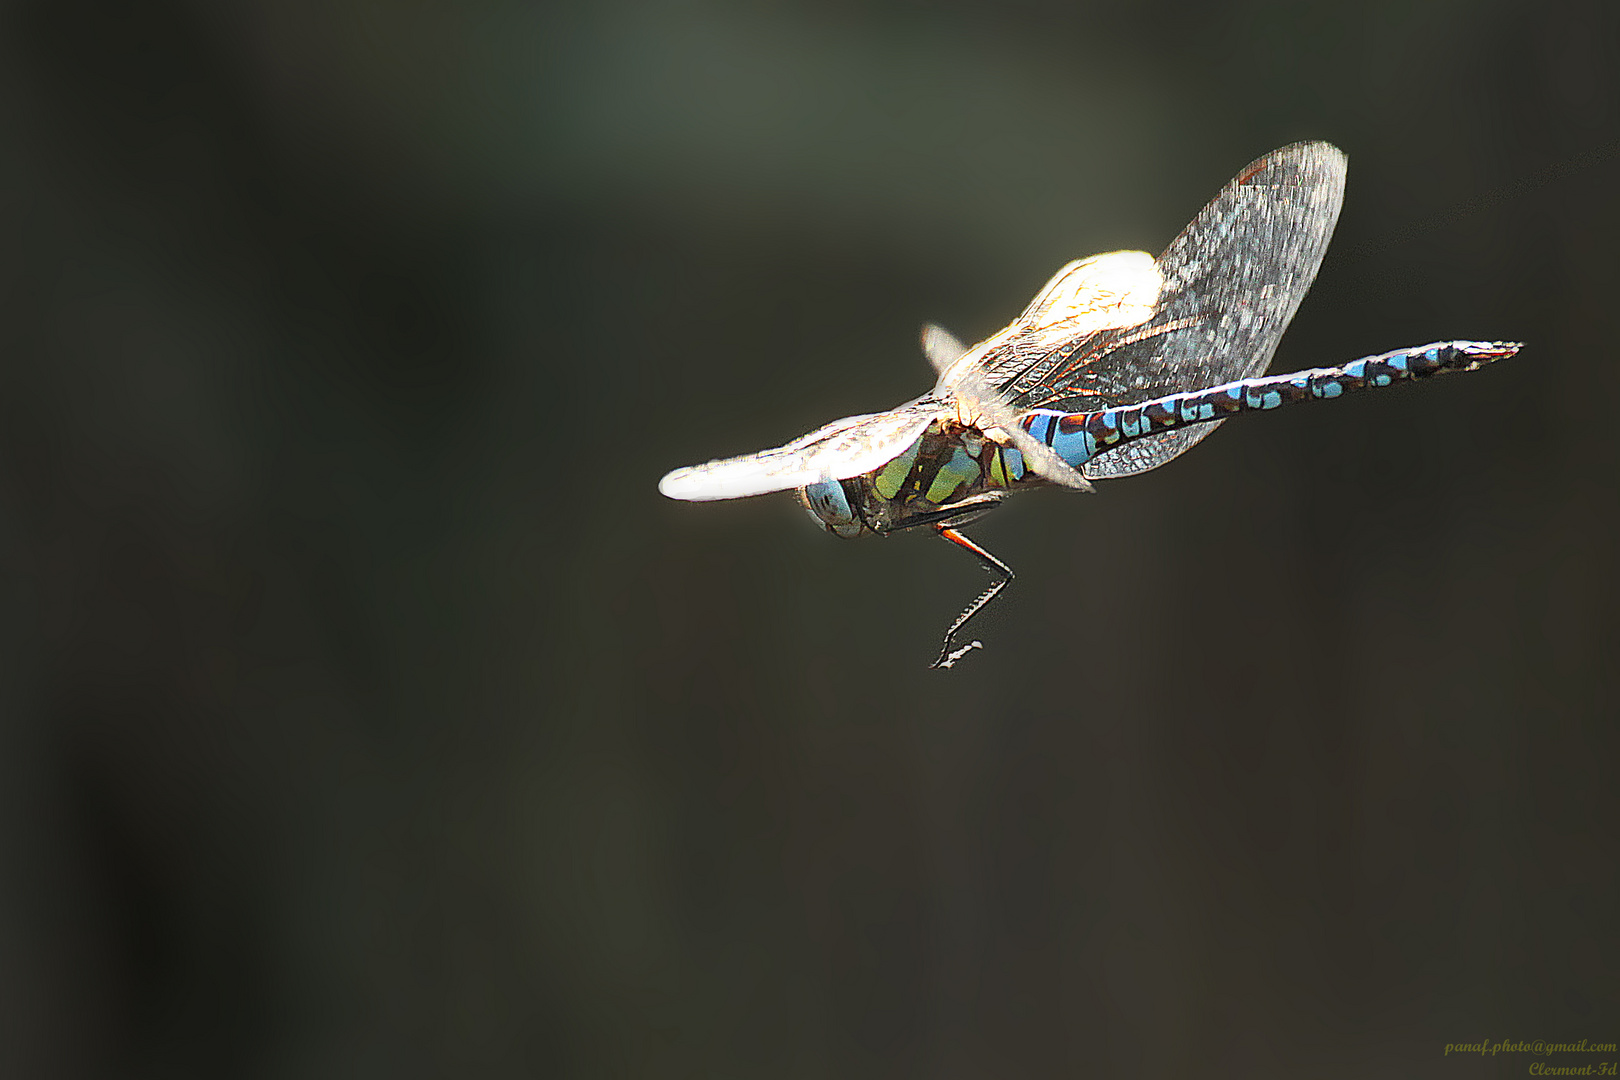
x=1121, y=362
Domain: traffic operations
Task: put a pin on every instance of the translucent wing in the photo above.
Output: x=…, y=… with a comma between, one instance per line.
x=843, y=448
x=941, y=347
x=1105, y=292
x=1231, y=282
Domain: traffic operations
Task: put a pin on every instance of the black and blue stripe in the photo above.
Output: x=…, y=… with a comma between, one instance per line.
x=1079, y=437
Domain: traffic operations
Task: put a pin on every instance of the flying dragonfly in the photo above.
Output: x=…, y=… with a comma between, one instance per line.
x=1119, y=364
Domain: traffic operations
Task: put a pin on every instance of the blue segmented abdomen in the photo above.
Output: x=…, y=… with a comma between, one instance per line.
x=1079, y=437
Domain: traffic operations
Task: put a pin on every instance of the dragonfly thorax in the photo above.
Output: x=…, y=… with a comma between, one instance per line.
x=949, y=474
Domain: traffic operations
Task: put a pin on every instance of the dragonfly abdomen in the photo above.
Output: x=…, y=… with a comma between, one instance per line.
x=1079, y=437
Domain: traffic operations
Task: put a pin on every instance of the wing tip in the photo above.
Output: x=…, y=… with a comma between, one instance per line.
x=681, y=484
x=707, y=483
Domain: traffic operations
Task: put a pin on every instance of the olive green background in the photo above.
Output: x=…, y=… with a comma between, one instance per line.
x=367, y=712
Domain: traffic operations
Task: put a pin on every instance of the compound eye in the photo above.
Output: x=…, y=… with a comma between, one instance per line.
x=828, y=504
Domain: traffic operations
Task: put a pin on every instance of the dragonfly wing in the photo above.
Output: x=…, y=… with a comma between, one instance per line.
x=1108, y=291
x=841, y=449
x=1232, y=281
x=941, y=347
x=1113, y=291
x=1236, y=275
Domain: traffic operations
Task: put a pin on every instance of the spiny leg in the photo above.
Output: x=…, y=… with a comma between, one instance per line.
x=997, y=569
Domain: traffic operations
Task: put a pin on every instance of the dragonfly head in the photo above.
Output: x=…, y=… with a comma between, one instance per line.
x=829, y=505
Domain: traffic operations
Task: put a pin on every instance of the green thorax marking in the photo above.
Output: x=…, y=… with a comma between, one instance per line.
x=947, y=462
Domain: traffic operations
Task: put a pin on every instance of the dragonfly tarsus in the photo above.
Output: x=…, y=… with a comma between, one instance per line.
x=997, y=569
x=957, y=654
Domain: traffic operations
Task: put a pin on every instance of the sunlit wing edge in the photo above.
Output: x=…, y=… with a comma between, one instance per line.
x=1101, y=292
x=842, y=449
x=1112, y=291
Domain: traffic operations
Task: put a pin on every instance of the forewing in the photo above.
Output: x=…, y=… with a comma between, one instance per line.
x=843, y=448
x=1108, y=291
x=1232, y=281
x=1113, y=291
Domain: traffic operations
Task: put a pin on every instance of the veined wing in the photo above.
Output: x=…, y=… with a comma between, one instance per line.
x=1231, y=282
x=838, y=451
x=1114, y=291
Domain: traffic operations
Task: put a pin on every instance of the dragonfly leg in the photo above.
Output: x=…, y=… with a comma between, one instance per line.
x=997, y=569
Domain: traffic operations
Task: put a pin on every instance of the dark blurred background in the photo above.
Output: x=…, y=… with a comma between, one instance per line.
x=367, y=712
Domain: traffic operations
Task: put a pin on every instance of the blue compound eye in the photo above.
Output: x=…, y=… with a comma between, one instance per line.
x=827, y=503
